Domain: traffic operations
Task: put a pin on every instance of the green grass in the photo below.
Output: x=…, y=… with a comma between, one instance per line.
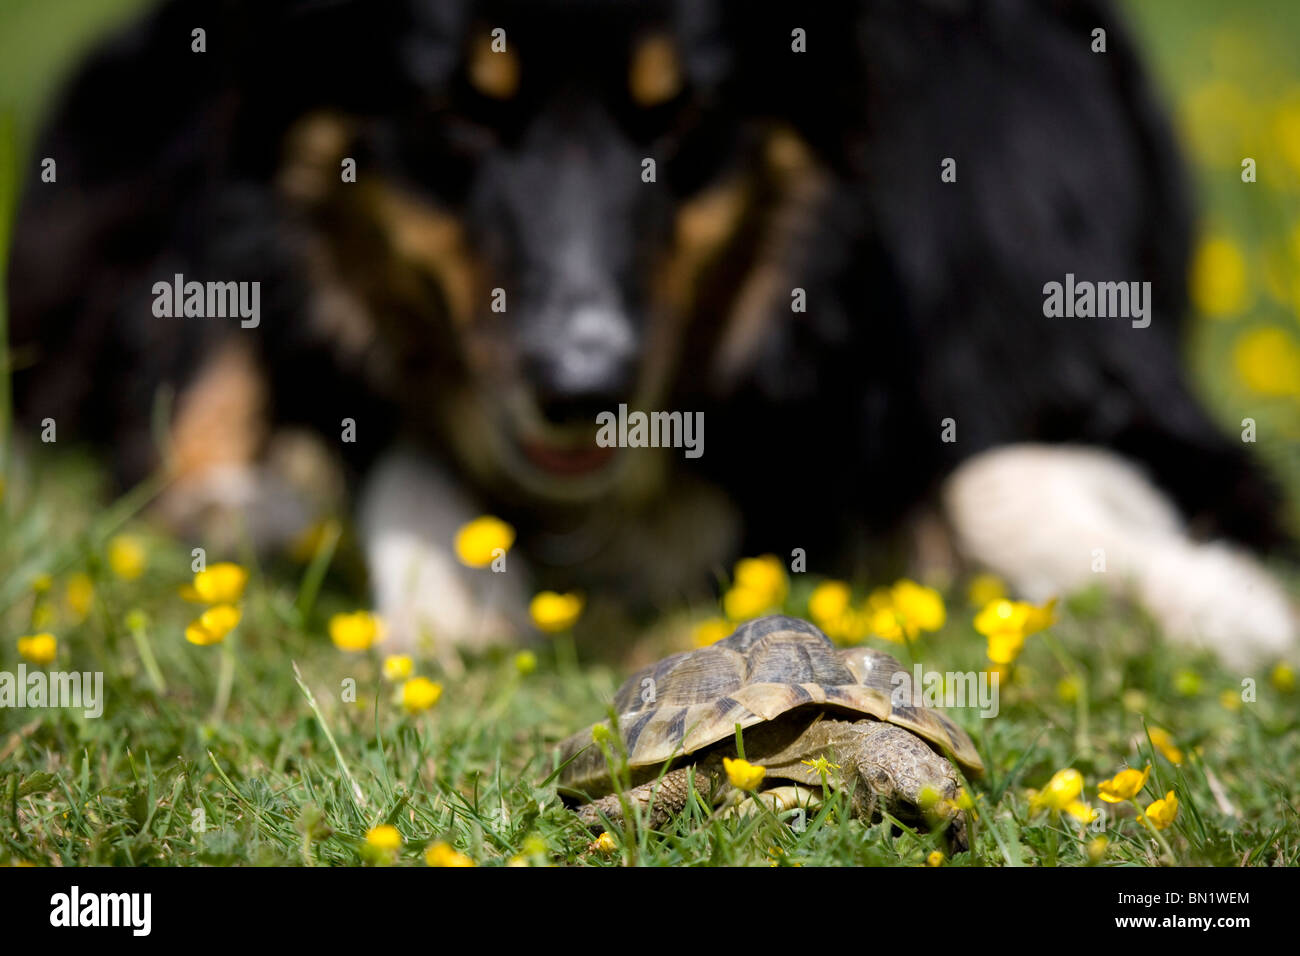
x=228, y=730
x=231, y=732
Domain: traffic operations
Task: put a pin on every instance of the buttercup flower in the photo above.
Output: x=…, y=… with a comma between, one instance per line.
x=398, y=667
x=934, y=859
x=821, y=765
x=1218, y=278
x=1267, y=361
x=1230, y=700
x=1283, y=677
x=743, y=774
x=126, y=557
x=906, y=609
x=1162, y=812
x=1062, y=790
x=213, y=625
x=604, y=844
x=1163, y=742
x=40, y=649
x=478, y=542
x=553, y=612
x=441, y=854
x=525, y=663
x=384, y=837
x=356, y=631
x=1006, y=624
x=828, y=602
x=223, y=583
x=758, y=585
x=419, y=694
x=1125, y=785
x=710, y=631
x=80, y=594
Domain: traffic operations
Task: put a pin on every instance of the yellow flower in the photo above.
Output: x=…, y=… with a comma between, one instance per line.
x=984, y=589
x=1006, y=624
x=1068, y=688
x=1187, y=683
x=1133, y=700
x=40, y=649
x=1163, y=742
x=1230, y=700
x=1283, y=677
x=385, y=838
x=356, y=631
x=223, y=583
x=553, y=612
x=710, y=631
x=1267, y=361
x=80, y=594
x=1080, y=811
x=398, y=667
x=127, y=557
x=758, y=585
x=766, y=574
x=904, y=610
x=213, y=625
x=1061, y=791
x=525, y=663
x=828, y=602
x=921, y=608
x=441, y=854
x=741, y=604
x=42, y=583
x=419, y=694
x=1218, y=278
x=743, y=774
x=934, y=859
x=478, y=542
x=821, y=765
x=1162, y=812
x=1125, y=785
x=600, y=734
x=604, y=844
x=1097, y=849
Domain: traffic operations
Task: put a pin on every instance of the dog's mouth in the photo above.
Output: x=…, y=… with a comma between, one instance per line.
x=567, y=460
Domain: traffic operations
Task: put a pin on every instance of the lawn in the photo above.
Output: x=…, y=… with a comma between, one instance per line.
x=274, y=746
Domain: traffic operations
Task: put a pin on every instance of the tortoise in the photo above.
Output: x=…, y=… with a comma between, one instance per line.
x=796, y=697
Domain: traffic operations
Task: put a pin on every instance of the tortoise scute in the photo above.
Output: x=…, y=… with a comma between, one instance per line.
x=766, y=669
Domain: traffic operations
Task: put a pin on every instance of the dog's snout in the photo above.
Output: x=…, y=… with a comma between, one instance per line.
x=587, y=366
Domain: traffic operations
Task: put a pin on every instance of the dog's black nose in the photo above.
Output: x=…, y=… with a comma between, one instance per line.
x=585, y=365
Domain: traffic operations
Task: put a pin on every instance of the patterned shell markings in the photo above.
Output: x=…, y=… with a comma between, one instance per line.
x=766, y=668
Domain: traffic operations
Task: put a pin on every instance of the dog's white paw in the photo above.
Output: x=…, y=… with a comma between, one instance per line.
x=409, y=514
x=1054, y=519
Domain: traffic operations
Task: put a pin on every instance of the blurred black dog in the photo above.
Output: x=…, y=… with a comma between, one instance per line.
x=461, y=231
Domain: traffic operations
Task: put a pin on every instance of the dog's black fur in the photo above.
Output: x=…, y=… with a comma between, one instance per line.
x=924, y=297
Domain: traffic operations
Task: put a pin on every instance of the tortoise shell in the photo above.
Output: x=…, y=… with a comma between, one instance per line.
x=768, y=667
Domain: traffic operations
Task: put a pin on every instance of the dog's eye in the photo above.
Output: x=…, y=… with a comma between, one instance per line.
x=654, y=72
x=493, y=67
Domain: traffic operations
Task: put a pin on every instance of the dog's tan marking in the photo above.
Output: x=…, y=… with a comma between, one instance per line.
x=798, y=185
x=432, y=240
x=494, y=73
x=220, y=416
x=655, y=72
x=313, y=149
x=705, y=225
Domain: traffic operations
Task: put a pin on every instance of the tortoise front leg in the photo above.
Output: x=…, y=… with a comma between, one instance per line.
x=660, y=800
